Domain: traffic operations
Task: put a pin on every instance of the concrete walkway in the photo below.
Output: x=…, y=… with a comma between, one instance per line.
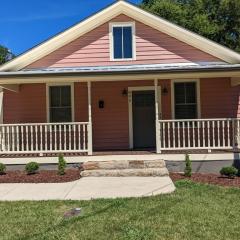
x=88, y=188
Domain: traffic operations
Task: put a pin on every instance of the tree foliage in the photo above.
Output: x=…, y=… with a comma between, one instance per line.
x=5, y=54
x=218, y=20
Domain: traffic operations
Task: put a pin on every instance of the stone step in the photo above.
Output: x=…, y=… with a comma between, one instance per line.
x=123, y=164
x=144, y=172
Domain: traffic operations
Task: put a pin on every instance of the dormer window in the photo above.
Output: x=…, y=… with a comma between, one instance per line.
x=122, y=46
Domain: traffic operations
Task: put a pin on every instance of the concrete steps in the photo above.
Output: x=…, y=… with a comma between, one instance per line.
x=125, y=168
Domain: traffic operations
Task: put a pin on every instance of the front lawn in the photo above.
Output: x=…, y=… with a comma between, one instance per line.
x=194, y=211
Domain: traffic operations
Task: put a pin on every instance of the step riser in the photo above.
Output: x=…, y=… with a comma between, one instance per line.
x=125, y=164
x=150, y=172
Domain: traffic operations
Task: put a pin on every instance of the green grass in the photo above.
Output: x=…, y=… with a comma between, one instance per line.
x=194, y=211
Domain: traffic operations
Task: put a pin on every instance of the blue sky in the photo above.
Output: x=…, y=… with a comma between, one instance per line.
x=30, y=22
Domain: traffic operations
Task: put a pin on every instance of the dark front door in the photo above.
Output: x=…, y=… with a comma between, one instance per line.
x=143, y=105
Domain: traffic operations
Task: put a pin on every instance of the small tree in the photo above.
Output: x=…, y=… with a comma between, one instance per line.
x=188, y=166
x=32, y=168
x=61, y=165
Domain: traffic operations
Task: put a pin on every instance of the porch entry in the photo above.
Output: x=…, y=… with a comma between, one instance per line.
x=144, y=127
x=142, y=116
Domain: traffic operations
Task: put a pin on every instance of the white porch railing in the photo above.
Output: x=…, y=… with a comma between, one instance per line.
x=199, y=134
x=44, y=137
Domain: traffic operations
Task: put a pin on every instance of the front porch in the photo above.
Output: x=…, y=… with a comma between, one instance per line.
x=110, y=116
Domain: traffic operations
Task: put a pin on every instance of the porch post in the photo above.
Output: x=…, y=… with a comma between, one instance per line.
x=158, y=147
x=90, y=148
x=1, y=106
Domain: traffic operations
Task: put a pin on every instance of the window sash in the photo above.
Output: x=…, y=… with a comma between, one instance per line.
x=60, y=109
x=185, y=108
x=122, y=42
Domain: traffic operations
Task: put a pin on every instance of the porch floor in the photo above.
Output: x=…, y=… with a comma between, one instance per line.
x=121, y=152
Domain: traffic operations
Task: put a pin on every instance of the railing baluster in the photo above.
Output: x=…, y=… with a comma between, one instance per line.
x=55, y=137
x=218, y=134
x=179, y=137
x=188, y=134
x=228, y=134
x=31, y=134
x=193, y=131
x=70, y=137
x=41, y=138
x=36, y=140
x=198, y=134
x=168, y=132
x=65, y=137
x=74, y=136
x=60, y=137
x=18, y=143
x=45, y=137
x=174, y=139
x=223, y=132
x=13, y=137
x=51, y=137
x=208, y=135
x=184, y=140
x=213, y=132
x=164, y=134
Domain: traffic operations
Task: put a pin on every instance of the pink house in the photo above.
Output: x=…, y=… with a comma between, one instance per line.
x=121, y=79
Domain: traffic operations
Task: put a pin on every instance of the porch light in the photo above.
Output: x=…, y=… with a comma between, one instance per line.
x=124, y=92
x=165, y=91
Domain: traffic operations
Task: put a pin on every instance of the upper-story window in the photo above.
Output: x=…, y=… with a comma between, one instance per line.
x=122, y=45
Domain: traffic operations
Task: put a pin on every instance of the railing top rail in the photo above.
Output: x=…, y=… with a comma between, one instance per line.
x=199, y=120
x=43, y=124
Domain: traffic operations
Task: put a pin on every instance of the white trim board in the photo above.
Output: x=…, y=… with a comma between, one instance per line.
x=130, y=113
x=72, y=98
x=121, y=7
x=111, y=50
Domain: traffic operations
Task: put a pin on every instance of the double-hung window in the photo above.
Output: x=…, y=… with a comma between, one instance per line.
x=122, y=43
x=60, y=103
x=185, y=95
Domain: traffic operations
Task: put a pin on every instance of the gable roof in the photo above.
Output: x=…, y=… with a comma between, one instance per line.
x=121, y=7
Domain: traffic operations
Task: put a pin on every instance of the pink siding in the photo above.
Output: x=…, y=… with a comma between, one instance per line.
x=27, y=105
x=152, y=46
x=110, y=125
x=219, y=99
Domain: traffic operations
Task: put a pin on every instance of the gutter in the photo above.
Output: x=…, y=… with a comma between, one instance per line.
x=95, y=73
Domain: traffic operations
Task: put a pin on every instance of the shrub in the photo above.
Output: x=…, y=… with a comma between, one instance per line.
x=61, y=165
x=229, y=171
x=32, y=168
x=2, y=168
x=188, y=166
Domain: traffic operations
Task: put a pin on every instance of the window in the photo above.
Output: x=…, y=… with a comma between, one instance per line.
x=60, y=106
x=122, y=47
x=185, y=95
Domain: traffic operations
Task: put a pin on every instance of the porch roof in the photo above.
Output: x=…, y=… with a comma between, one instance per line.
x=126, y=69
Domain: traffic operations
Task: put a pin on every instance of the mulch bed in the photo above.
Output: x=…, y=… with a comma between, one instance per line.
x=40, y=177
x=209, y=178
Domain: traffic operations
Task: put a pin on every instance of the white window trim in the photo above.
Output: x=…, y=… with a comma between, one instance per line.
x=122, y=24
x=72, y=98
x=197, y=81
x=130, y=110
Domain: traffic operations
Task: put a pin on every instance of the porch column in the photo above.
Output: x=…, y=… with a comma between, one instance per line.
x=158, y=150
x=90, y=147
x=1, y=106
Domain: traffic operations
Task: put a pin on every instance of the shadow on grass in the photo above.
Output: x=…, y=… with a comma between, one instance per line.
x=65, y=222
